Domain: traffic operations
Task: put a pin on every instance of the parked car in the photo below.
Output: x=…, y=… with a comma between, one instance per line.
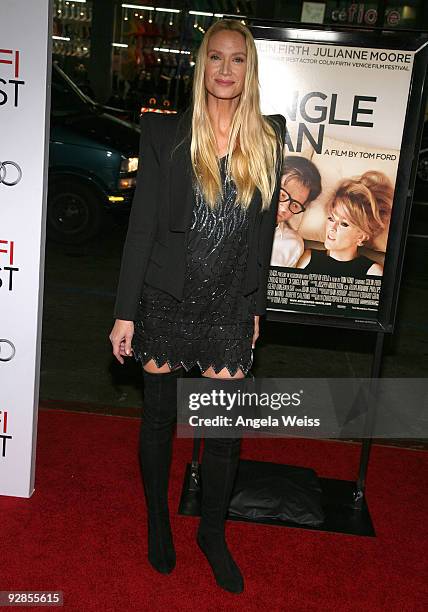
x=93, y=162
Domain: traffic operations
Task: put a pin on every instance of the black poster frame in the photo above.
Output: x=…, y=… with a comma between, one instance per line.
x=407, y=165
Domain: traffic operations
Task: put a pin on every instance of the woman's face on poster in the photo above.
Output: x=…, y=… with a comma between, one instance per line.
x=341, y=234
x=226, y=65
x=292, y=194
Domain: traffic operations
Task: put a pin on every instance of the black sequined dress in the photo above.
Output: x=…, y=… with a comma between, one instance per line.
x=214, y=323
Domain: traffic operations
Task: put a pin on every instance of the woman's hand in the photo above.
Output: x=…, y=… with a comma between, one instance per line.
x=256, y=330
x=120, y=337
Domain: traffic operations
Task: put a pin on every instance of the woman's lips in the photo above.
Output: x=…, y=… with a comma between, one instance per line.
x=221, y=82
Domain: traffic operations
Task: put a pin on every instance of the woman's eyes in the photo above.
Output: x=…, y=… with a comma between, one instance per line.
x=342, y=223
x=216, y=57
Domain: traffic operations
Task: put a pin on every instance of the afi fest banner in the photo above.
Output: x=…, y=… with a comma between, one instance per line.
x=25, y=65
x=345, y=108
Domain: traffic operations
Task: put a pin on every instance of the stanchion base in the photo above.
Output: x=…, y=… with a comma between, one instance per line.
x=338, y=504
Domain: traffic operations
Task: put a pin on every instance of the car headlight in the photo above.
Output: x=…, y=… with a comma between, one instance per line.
x=129, y=165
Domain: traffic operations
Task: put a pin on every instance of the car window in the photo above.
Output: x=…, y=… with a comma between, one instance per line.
x=65, y=101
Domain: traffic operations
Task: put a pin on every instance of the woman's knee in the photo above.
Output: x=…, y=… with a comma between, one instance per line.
x=223, y=374
x=151, y=368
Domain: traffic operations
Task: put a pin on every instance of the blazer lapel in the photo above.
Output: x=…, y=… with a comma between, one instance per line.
x=180, y=178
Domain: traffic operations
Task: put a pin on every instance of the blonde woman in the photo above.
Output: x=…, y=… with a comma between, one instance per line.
x=194, y=271
x=358, y=212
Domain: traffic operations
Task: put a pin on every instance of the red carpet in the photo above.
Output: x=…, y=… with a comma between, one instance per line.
x=83, y=531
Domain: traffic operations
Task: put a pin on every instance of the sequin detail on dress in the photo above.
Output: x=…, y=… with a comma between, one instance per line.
x=214, y=323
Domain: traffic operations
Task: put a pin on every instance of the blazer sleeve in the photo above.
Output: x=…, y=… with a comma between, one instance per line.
x=142, y=222
x=268, y=222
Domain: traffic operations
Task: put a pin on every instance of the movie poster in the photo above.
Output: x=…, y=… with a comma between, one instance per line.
x=345, y=108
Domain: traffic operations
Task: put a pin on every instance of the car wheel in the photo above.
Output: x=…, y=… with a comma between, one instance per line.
x=75, y=212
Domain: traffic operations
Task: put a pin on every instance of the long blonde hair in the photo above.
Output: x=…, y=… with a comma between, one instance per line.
x=253, y=145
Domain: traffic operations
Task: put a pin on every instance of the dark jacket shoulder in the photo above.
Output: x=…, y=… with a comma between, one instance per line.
x=158, y=121
x=278, y=122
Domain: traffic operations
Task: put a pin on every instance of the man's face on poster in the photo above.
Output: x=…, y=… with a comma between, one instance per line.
x=292, y=198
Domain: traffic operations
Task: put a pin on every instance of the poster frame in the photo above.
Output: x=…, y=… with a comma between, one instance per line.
x=403, y=40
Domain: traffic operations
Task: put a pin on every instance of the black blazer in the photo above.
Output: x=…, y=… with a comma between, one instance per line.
x=154, y=250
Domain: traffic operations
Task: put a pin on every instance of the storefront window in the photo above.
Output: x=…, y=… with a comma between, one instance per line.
x=72, y=28
x=154, y=49
x=152, y=59
x=71, y=45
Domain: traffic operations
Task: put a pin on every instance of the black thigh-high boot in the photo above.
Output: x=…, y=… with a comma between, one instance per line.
x=220, y=460
x=155, y=450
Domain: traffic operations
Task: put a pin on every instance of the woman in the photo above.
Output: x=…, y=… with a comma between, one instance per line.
x=359, y=211
x=300, y=184
x=193, y=278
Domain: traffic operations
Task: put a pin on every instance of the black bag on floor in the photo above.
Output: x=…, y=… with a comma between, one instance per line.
x=272, y=491
x=263, y=491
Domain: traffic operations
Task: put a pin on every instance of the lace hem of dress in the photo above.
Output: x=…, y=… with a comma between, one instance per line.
x=161, y=359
